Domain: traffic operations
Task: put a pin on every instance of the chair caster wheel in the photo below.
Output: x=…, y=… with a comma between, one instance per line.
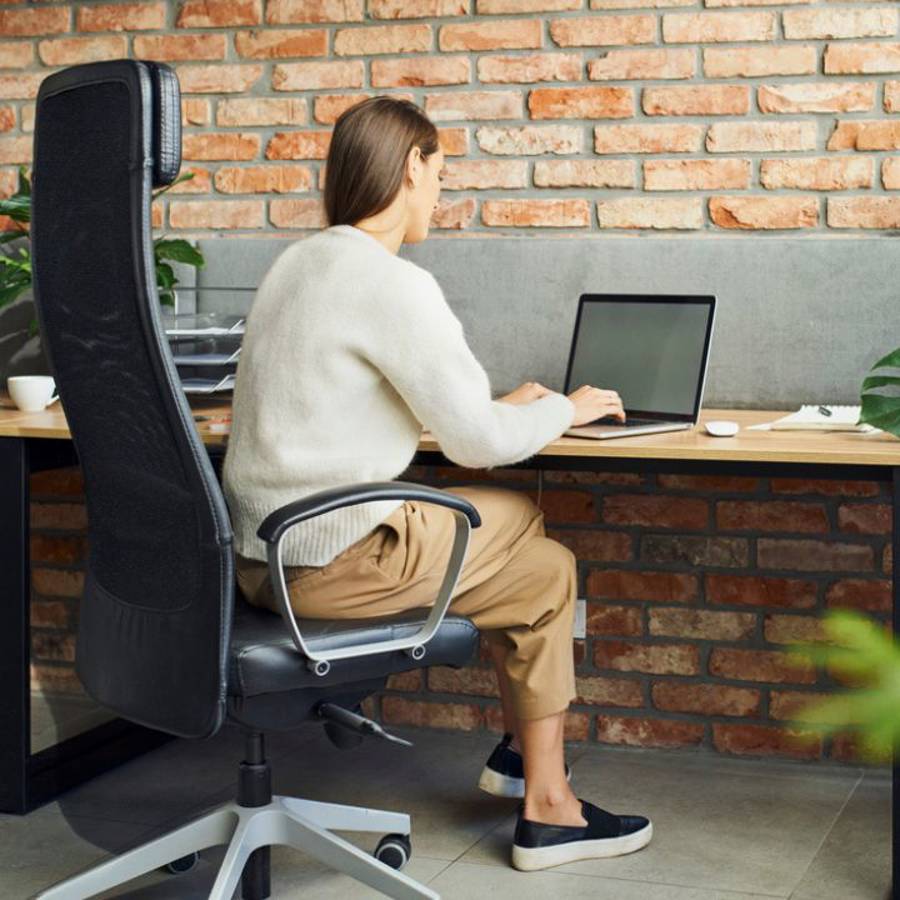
x=182, y=864
x=394, y=850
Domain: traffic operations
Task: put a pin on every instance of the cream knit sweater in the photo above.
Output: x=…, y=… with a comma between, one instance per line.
x=349, y=351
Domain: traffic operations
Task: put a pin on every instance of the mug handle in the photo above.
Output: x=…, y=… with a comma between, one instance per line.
x=53, y=399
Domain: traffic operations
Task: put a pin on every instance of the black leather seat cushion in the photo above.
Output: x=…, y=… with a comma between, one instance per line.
x=265, y=661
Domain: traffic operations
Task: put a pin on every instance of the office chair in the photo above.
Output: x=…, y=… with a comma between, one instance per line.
x=163, y=639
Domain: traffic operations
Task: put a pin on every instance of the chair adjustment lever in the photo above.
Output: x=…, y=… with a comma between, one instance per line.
x=357, y=723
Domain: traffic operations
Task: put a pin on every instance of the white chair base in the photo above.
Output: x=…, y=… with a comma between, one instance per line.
x=305, y=825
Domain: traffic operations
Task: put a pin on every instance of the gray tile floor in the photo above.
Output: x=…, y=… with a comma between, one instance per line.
x=724, y=828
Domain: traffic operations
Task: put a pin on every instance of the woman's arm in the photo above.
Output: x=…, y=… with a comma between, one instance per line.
x=418, y=343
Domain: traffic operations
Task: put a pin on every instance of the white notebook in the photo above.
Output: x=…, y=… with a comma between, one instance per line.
x=810, y=418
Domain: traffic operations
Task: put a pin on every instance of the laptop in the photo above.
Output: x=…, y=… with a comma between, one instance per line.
x=653, y=350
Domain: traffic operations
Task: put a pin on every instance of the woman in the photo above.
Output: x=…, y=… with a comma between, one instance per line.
x=349, y=351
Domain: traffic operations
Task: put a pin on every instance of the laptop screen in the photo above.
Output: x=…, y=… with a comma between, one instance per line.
x=651, y=349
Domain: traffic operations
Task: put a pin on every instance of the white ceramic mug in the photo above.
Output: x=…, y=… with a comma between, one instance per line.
x=32, y=393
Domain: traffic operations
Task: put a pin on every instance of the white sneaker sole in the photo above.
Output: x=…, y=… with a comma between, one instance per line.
x=501, y=785
x=528, y=859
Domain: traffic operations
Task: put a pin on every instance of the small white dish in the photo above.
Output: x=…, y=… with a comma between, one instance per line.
x=722, y=428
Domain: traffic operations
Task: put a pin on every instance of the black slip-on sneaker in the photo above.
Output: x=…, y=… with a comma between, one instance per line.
x=537, y=845
x=503, y=774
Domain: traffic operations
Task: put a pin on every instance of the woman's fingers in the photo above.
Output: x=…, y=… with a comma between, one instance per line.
x=603, y=392
x=594, y=387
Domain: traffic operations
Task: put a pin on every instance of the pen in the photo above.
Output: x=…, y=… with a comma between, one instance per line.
x=825, y=410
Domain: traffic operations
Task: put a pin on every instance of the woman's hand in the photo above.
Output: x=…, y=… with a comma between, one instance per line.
x=525, y=393
x=592, y=403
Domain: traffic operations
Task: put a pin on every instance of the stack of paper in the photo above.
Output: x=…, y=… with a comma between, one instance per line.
x=208, y=385
x=811, y=418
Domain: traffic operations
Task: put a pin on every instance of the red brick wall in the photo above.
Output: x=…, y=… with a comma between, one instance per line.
x=694, y=585
x=582, y=115
x=587, y=115
x=58, y=554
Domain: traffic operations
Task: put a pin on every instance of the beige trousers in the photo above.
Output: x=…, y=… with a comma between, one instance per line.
x=517, y=586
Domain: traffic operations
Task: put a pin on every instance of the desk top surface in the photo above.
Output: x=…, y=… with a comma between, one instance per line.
x=845, y=448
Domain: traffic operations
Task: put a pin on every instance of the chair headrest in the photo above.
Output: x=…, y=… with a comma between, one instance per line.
x=157, y=114
x=166, y=123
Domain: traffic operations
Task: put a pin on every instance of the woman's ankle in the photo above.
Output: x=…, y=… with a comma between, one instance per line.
x=553, y=806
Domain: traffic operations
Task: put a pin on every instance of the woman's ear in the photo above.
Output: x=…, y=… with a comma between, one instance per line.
x=413, y=166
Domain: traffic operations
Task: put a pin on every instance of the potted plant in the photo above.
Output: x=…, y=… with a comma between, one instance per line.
x=881, y=394
x=15, y=265
x=857, y=646
x=860, y=649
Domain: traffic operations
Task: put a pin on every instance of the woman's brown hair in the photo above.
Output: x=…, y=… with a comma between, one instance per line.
x=367, y=156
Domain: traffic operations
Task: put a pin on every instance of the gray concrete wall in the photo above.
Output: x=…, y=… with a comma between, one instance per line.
x=799, y=320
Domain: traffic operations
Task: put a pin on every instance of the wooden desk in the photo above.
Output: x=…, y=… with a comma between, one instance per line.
x=803, y=447
x=34, y=440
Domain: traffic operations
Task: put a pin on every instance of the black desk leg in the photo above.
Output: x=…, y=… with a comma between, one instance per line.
x=27, y=780
x=15, y=695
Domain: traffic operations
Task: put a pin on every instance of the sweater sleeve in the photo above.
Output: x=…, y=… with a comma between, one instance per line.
x=418, y=343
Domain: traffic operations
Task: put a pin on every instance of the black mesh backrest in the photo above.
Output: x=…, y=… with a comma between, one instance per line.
x=156, y=613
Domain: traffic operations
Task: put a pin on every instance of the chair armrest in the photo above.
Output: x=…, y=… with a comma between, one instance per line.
x=276, y=523
x=275, y=526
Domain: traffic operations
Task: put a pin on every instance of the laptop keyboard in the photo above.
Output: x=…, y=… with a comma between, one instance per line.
x=630, y=421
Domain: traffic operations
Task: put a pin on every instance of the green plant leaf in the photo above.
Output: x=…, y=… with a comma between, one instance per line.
x=871, y=714
x=21, y=262
x=12, y=269
x=861, y=647
x=10, y=290
x=15, y=270
x=17, y=208
x=185, y=176
x=165, y=276
x=853, y=629
x=882, y=412
x=891, y=359
x=24, y=184
x=178, y=250
x=880, y=398
x=13, y=266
